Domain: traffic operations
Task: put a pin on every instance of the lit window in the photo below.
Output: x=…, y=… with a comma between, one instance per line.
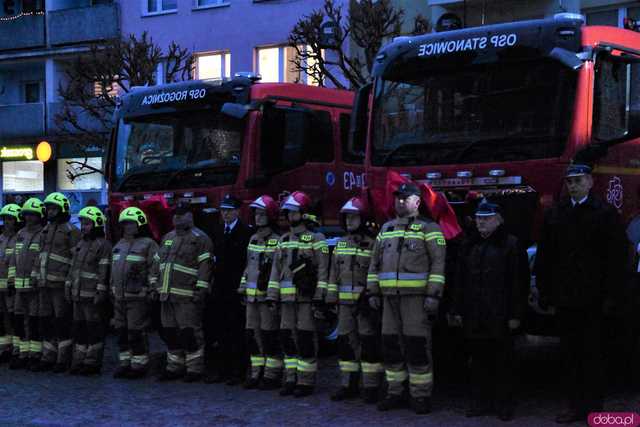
x=111, y=90
x=156, y=6
x=24, y=176
x=213, y=66
x=81, y=183
x=269, y=64
x=275, y=64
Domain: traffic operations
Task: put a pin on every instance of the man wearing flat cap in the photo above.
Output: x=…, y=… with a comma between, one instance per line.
x=490, y=299
x=580, y=265
x=406, y=280
x=225, y=315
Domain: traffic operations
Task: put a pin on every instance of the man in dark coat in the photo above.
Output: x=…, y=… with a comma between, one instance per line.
x=580, y=266
x=225, y=313
x=490, y=298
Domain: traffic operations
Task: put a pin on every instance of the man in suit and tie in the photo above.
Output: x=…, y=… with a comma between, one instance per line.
x=225, y=311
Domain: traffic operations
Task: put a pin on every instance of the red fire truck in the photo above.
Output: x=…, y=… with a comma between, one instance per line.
x=195, y=141
x=502, y=109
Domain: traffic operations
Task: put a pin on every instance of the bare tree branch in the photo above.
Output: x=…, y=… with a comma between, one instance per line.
x=94, y=81
x=371, y=24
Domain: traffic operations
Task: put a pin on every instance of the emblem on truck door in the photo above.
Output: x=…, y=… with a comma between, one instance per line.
x=615, y=192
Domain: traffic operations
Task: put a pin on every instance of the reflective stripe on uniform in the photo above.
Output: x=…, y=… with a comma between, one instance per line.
x=134, y=258
x=290, y=363
x=372, y=368
x=274, y=363
x=420, y=379
x=124, y=356
x=185, y=270
x=402, y=280
x=181, y=292
x=306, y=367
x=140, y=359
x=104, y=261
x=87, y=275
x=196, y=354
x=202, y=284
x=35, y=346
x=347, y=366
x=204, y=256
x=436, y=278
x=59, y=258
x=396, y=376
x=257, y=361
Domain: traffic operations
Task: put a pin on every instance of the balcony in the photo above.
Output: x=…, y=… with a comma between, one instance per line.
x=21, y=120
x=84, y=120
x=84, y=24
x=27, y=31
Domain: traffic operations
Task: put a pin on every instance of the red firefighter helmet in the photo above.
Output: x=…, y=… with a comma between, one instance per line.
x=355, y=205
x=268, y=204
x=297, y=202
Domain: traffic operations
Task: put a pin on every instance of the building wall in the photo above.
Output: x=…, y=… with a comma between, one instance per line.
x=237, y=27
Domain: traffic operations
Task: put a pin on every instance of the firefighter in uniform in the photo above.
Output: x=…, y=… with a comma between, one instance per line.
x=9, y=342
x=24, y=266
x=86, y=288
x=299, y=278
x=185, y=264
x=262, y=322
x=56, y=241
x=580, y=263
x=407, y=270
x=358, y=325
x=132, y=283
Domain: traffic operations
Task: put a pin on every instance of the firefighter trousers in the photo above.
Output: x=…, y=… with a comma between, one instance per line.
x=88, y=334
x=132, y=319
x=359, y=346
x=262, y=341
x=6, y=325
x=298, y=340
x=55, y=317
x=26, y=325
x=182, y=325
x=406, y=345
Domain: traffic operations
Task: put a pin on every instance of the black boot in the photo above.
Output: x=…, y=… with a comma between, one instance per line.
x=421, y=405
x=89, y=371
x=391, y=401
x=349, y=392
x=303, y=390
x=18, y=363
x=60, y=368
x=76, y=369
x=5, y=357
x=288, y=389
x=136, y=374
x=192, y=377
x=251, y=383
x=167, y=375
x=370, y=394
x=40, y=366
x=122, y=372
x=269, y=384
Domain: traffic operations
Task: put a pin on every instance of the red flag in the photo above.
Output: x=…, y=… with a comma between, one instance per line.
x=382, y=201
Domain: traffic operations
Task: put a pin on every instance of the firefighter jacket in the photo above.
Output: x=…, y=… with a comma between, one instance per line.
x=132, y=268
x=24, y=263
x=7, y=246
x=89, y=270
x=408, y=259
x=349, y=266
x=260, y=253
x=56, y=243
x=184, y=265
x=300, y=267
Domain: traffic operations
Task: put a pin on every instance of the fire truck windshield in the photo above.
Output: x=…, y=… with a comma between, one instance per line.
x=500, y=111
x=178, y=150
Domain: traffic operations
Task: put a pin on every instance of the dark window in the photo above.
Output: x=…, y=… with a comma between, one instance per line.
x=32, y=93
x=610, y=99
x=292, y=137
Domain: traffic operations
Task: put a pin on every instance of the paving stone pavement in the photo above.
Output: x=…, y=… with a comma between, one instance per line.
x=47, y=399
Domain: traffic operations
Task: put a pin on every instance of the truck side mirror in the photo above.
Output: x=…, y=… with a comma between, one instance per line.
x=237, y=111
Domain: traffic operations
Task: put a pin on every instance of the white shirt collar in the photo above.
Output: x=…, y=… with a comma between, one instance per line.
x=579, y=202
x=231, y=226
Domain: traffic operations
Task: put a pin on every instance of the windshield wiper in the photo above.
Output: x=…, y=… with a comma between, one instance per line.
x=198, y=167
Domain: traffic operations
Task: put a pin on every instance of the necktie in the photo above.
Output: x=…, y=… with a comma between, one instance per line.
x=227, y=229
